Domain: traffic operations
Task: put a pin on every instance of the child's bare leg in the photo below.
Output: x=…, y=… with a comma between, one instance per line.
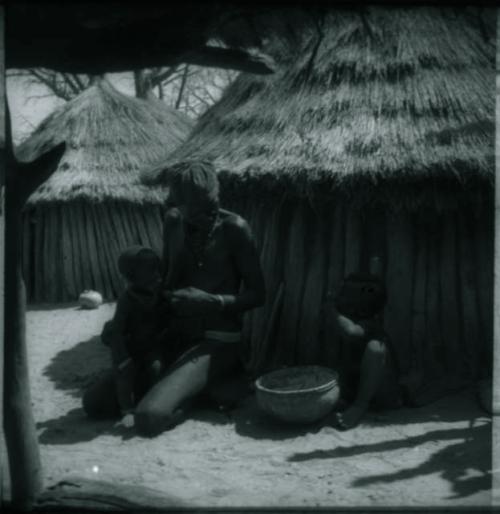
x=372, y=370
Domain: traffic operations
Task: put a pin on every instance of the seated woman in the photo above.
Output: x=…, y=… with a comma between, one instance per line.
x=212, y=276
x=368, y=371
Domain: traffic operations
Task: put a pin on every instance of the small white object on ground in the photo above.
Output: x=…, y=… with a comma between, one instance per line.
x=90, y=299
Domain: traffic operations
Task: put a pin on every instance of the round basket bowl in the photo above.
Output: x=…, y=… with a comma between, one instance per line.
x=302, y=394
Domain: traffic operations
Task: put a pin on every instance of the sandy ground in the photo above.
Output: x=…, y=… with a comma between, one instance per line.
x=439, y=455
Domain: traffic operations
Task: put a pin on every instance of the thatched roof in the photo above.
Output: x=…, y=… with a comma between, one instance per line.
x=110, y=137
x=398, y=94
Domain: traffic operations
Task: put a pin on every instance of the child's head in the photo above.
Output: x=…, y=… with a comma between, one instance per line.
x=140, y=266
x=362, y=296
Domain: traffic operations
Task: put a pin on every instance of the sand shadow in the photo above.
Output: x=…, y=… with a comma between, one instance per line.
x=71, y=427
x=75, y=427
x=466, y=464
x=75, y=369
x=250, y=421
x=246, y=417
x=450, y=408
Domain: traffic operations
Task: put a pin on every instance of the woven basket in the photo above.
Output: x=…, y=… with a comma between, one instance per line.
x=302, y=394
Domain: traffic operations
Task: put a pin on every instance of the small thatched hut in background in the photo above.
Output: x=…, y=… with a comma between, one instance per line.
x=93, y=206
x=376, y=137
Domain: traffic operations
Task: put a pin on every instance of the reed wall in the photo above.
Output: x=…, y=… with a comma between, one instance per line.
x=438, y=269
x=72, y=246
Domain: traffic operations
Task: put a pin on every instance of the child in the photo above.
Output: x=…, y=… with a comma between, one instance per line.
x=135, y=333
x=368, y=371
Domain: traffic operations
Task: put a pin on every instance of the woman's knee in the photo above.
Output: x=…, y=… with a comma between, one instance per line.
x=150, y=421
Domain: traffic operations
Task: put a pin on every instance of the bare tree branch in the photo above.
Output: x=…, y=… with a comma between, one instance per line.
x=178, y=76
x=202, y=100
x=160, y=76
x=50, y=83
x=183, y=85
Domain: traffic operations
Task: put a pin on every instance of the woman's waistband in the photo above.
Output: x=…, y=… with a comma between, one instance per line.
x=223, y=336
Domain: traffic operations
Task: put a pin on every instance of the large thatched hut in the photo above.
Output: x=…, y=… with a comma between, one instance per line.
x=375, y=138
x=93, y=206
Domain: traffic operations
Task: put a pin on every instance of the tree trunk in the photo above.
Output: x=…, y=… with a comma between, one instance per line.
x=2, y=243
x=496, y=281
x=17, y=421
x=496, y=307
x=19, y=425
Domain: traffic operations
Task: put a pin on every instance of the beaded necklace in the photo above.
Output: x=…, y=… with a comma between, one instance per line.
x=197, y=239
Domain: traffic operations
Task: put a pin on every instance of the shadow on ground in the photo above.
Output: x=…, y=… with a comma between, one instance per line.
x=466, y=464
x=250, y=421
x=75, y=369
x=75, y=427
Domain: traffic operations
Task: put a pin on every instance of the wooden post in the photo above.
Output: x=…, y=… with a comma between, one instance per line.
x=2, y=244
x=496, y=303
x=18, y=423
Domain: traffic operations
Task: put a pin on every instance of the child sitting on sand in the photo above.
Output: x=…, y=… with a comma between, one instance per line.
x=368, y=372
x=135, y=333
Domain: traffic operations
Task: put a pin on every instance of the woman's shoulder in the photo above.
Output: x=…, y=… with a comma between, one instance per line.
x=234, y=225
x=232, y=219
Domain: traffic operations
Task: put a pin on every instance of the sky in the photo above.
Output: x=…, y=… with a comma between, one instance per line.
x=29, y=106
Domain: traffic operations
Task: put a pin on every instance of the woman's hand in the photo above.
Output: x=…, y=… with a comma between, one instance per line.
x=191, y=301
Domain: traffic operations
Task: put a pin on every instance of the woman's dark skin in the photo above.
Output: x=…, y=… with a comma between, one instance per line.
x=212, y=275
x=196, y=285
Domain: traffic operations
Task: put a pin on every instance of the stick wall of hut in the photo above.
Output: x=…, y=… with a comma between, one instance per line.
x=72, y=246
x=436, y=316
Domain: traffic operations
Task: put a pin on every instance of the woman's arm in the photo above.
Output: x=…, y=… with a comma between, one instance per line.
x=173, y=243
x=247, y=260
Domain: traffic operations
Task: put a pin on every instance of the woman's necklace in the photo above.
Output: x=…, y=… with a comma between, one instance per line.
x=198, y=240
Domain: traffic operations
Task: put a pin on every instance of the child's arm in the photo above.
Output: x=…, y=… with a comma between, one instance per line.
x=118, y=338
x=123, y=366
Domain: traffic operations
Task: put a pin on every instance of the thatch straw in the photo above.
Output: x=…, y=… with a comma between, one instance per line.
x=110, y=137
x=399, y=96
